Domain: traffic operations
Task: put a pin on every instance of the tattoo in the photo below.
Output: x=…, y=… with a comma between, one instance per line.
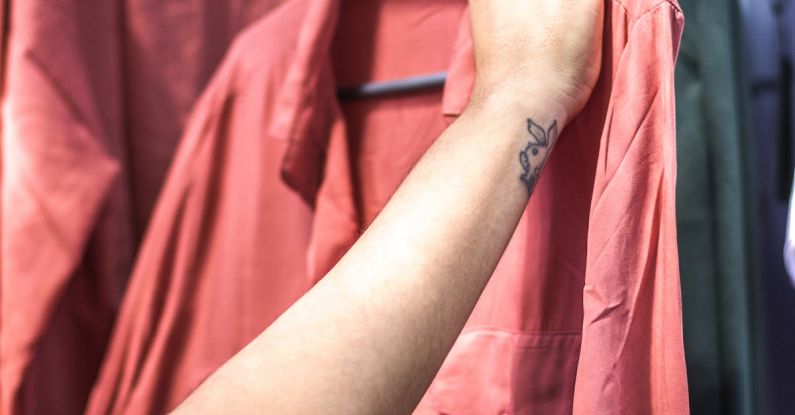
x=532, y=158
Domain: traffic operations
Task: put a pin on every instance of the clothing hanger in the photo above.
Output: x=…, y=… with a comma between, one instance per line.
x=393, y=87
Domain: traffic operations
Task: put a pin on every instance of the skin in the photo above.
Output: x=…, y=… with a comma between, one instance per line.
x=370, y=336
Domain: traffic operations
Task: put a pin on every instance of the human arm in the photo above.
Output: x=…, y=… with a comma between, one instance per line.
x=370, y=336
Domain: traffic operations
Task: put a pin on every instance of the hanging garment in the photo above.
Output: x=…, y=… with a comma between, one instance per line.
x=62, y=142
x=171, y=49
x=772, y=149
x=583, y=313
x=775, y=154
x=525, y=348
x=266, y=97
x=95, y=94
x=713, y=213
x=771, y=142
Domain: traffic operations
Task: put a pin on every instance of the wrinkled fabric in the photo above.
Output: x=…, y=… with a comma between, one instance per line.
x=521, y=349
x=223, y=255
x=171, y=49
x=600, y=228
x=264, y=240
x=95, y=96
x=62, y=146
x=583, y=312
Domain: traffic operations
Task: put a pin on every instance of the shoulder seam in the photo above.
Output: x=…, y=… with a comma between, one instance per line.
x=651, y=9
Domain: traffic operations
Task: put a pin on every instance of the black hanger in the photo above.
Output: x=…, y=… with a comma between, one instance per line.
x=394, y=87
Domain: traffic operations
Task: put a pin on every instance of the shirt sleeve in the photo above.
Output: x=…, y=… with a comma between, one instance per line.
x=60, y=170
x=632, y=355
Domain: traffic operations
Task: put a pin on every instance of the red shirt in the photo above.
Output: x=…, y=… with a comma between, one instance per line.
x=95, y=96
x=583, y=313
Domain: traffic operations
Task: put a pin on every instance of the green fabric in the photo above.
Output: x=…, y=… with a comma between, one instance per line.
x=712, y=213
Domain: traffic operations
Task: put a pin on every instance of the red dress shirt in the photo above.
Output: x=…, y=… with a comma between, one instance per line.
x=95, y=97
x=583, y=313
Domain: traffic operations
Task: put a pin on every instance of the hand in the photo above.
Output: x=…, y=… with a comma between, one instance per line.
x=547, y=48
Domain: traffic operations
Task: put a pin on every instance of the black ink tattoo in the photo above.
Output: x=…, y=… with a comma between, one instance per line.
x=532, y=158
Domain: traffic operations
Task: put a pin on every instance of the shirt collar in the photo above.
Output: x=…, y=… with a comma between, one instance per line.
x=307, y=105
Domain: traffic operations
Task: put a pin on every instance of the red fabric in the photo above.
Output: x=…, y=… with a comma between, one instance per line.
x=95, y=95
x=224, y=253
x=599, y=229
x=171, y=49
x=582, y=314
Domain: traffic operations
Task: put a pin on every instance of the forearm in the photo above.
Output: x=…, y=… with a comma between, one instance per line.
x=371, y=335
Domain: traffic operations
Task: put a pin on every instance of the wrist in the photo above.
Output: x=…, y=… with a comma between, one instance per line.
x=522, y=101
